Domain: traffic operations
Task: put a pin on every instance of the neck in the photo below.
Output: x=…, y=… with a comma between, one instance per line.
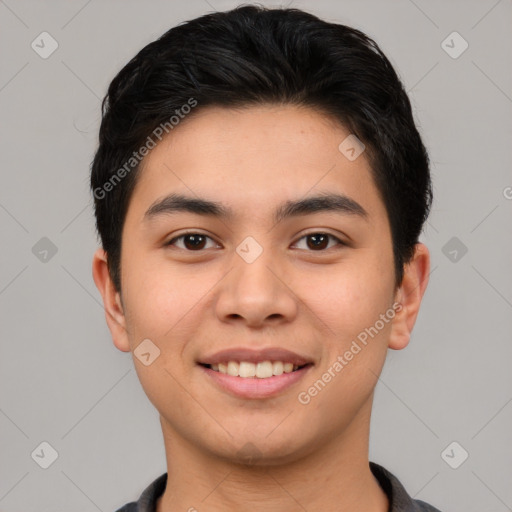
x=336, y=476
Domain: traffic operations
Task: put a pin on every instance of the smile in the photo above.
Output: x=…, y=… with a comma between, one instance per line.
x=251, y=381
x=260, y=370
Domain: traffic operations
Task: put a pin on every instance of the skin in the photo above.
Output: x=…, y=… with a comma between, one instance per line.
x=312, y=301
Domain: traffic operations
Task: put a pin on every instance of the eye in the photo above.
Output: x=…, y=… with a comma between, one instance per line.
x=197, y=241
x=319, y=241
x=191, y=241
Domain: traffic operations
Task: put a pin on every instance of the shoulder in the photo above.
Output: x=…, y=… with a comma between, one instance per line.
x=148, y=498
x=424, y=507
x=129, y=507
x=399, y=499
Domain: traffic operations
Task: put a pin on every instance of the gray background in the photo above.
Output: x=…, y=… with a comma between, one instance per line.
x=63, y=382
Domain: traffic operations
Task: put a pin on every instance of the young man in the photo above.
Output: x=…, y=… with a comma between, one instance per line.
x=260, y=187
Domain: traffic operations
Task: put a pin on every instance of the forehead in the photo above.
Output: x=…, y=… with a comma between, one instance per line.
x=254, y=156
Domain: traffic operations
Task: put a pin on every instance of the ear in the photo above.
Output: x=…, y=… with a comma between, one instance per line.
x=409, y=295
x=114, y=313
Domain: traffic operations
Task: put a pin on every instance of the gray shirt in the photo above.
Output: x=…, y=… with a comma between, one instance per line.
x=399, y=500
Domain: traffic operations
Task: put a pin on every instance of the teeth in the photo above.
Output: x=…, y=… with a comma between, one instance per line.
x=248, y=370
x=277, y=368
x=264, y=370
x=233, y=368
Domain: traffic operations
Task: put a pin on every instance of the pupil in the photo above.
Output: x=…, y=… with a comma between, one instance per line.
x=319, y=241
x=196, y=241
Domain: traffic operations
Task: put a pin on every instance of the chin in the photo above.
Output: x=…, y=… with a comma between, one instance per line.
x=264, y=451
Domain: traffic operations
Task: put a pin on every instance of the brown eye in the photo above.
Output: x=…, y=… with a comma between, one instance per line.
x=191, y=241
x=319, y=241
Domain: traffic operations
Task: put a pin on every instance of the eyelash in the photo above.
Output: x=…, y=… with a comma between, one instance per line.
x=340, y=242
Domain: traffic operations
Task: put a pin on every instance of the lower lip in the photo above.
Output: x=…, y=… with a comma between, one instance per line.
x=254, y=388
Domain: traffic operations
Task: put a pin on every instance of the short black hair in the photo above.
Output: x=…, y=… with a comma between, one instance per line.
x=255, y=55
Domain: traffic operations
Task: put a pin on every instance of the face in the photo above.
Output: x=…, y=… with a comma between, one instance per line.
x=302, y=294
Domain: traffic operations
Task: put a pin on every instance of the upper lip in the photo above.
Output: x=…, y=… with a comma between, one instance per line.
x=255, y=356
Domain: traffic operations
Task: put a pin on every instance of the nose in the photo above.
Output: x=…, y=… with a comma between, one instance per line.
x=256, y=293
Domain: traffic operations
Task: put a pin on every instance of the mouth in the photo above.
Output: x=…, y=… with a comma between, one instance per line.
x=250, y=374
x=249, y=370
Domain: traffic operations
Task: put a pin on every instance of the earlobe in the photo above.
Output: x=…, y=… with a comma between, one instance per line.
x=114, y=312
x=409, y=295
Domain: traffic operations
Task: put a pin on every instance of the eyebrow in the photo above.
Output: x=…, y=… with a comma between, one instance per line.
x=328, y=202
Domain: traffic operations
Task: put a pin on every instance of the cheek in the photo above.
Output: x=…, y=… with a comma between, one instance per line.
x=355, y=344
x=158, y=306
x=158, y=294
x=168, y=303
x=351, y=296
